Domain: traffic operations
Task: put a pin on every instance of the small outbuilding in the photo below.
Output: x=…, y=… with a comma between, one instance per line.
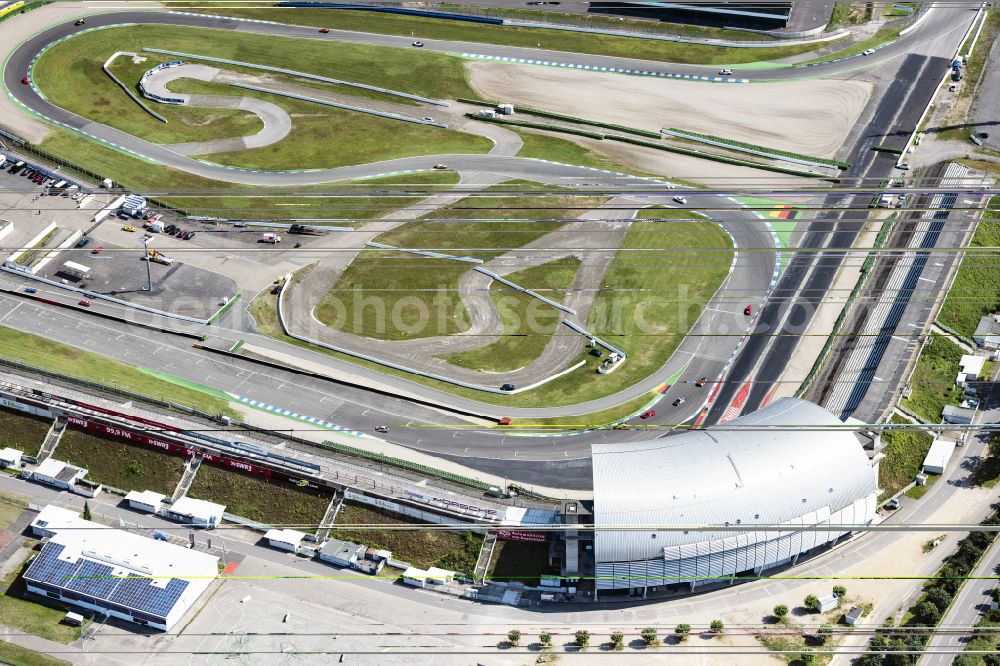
x=938, y=456
x=853, y=615
x=147, y=500
x=342, y=553
x=987, y=333
x=10, y=457
x=970, y=368
x=420, y=577
x=195, y=511
x=58, y=473
x=285, y=539
x=957, y=415
x=828, y=603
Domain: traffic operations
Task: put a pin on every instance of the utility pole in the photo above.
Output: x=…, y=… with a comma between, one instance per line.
x=145, y=255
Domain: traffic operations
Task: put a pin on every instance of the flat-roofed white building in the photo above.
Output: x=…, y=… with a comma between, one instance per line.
x=195, y=511
x=938, y=456
x=10, y=457
x=147, y=500
x=285, y=539
x=58, y=473
x=121, y=575
x=792, y=463
x=53, y=518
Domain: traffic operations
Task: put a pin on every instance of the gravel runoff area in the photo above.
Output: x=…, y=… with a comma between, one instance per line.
x=807, y=116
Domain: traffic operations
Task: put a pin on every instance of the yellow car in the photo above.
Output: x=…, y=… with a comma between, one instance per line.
x=440, y=166
x=128, y=228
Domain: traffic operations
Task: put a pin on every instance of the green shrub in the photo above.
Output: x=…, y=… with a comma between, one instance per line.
x=737, y=145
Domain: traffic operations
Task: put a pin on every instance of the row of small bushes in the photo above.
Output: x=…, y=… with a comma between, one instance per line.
x=929, y=609
x=405, y=464
x=715, y=157
x=742, y=145
x=527, y=123
x=573, y=119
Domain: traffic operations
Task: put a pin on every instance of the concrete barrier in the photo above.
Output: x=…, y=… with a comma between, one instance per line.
x=128, y=92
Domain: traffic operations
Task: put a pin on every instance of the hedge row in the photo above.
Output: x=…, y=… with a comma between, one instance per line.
x=714, y=157
x=526, y=123
x=26, y=8
x=927, y=612
x=742, y=145
x=887, y=149
x=405, y=464
x=571, y=119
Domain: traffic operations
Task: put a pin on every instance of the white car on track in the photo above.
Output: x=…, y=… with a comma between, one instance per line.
x=681, y=200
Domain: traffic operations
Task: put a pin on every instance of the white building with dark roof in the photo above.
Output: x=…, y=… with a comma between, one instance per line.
x=754, y=470
x=58, y=473
x=987, y=333
x=121, y=575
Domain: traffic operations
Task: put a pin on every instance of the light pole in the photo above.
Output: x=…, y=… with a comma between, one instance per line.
x=145, y=240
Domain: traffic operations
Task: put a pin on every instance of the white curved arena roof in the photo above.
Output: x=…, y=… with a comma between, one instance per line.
x=731, y=474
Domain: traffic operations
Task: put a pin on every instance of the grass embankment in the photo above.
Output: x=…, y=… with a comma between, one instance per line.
x=120, y=465
x=323, y=137
x=553, y=40
x=22, y=431
x=259, y=499
x=976, y=289
x=528, y=324
x=203, y=196
x=549, y=147
x=421, y=548
x=520, y=561
x=57, y=357
x=905, y=451
x=393, y=295
x=933, y=382
x=15, y=655
x=882, y=36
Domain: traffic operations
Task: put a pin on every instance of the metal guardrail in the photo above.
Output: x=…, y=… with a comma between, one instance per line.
x=336, y=105
x=304, y=75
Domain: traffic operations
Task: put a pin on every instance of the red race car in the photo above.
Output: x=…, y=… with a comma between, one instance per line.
x=748, y=310
x=646, y=414
x=26, y=80
x=504, y=420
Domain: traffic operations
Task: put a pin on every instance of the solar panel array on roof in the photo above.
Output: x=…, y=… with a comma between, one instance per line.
x=98, y=582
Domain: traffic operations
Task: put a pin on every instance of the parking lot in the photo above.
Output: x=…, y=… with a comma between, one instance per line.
x=22, y=202
x=120, y=271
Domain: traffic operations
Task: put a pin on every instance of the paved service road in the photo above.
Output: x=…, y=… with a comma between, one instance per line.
x=972, y=600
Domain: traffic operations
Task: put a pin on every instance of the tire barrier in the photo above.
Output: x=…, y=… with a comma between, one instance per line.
x=128, y=92
x=304, y=75
x=336, y=105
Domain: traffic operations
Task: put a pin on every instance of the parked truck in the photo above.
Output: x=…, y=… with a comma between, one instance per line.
x=270, y=238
